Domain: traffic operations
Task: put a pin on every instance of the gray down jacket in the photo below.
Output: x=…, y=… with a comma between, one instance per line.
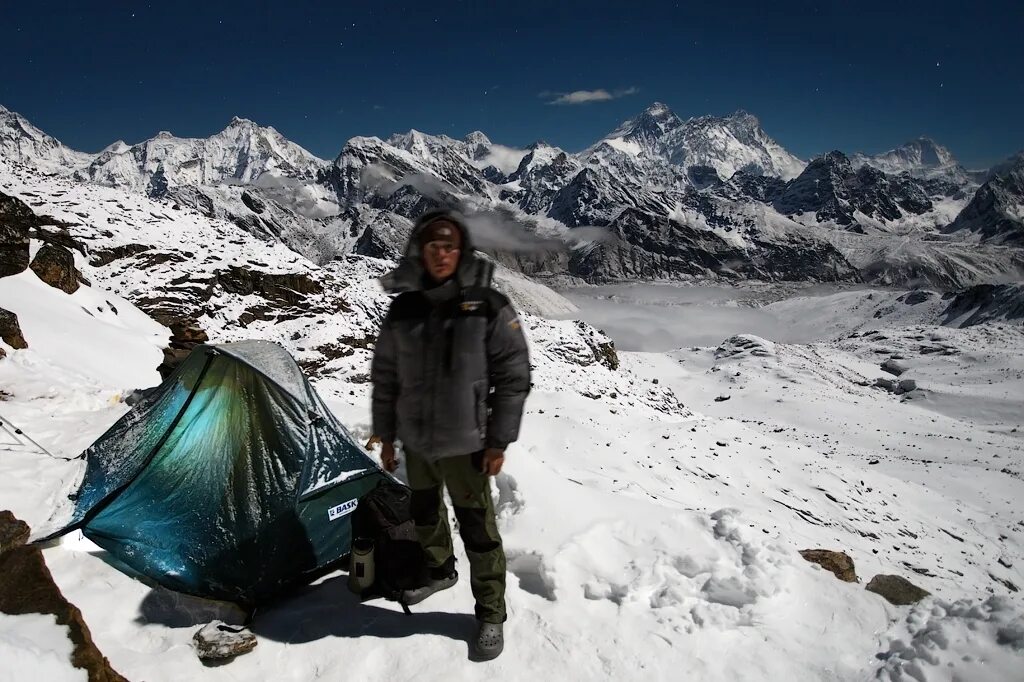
x=450, y=369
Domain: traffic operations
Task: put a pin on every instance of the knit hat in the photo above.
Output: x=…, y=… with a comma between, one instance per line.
x=441, y=229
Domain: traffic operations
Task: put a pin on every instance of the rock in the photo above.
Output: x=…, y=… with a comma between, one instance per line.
x=288, y=288
x=916, y=296
x=55, y=265
x=743, y=345
x=186, y=334
x=896, y=590
x=15, y=220
x=26, y=586
x=894, y=367
x=906, y=386
x=887, y=384
x=10, y=330
x=13, y=531
x=838, y=563
x=218, y=640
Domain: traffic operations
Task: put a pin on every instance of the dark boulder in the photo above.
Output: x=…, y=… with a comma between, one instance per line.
x=10, y=330
x=839, y=563
x=55, y=265
x=896, y=590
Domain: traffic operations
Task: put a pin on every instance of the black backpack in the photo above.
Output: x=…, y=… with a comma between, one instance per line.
x=384, y=516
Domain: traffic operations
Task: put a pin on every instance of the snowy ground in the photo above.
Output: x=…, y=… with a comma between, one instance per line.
x=646, y=539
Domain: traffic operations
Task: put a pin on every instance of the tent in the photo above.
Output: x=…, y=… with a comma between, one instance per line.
x=231, y=480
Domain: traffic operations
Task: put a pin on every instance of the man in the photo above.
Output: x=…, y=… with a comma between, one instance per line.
x=450, y=375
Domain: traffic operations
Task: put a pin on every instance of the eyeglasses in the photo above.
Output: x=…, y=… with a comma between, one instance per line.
x=438, y=248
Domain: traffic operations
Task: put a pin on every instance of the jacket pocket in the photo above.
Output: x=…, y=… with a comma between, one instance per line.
x=480, y=406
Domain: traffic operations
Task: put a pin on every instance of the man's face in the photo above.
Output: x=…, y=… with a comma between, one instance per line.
x=441, y=253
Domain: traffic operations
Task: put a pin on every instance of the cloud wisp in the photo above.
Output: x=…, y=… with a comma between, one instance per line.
x=588, y=96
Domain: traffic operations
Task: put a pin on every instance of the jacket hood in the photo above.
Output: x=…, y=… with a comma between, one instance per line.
x=410, y=275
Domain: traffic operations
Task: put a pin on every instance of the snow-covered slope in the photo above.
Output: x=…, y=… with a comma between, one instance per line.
x=648, y=526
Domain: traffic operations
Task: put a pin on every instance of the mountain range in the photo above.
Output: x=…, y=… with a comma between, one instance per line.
x=657, y=198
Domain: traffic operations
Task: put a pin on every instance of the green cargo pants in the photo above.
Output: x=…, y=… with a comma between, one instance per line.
x=470, y=492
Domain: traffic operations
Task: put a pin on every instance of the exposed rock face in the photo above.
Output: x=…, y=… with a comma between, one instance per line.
x=15, y=220
x=26, y=586
x=186, y=334
x=995, y=211
x=894, y=367
x=644, y=246
x=55, y=265
x=10, y=330
x=13, y=531
x=986, y=303
x=897, y=590
x=288, y=288
x=838, y=563
x=833, y=191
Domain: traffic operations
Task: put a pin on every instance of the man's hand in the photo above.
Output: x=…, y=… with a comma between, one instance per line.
x=493, y=461
x=387, y=457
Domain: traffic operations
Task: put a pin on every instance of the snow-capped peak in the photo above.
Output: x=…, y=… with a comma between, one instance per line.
x=22, y=141
x=423, y=145
x=243, y=152
x=477, y=138
x=727, y=144
x=922, y=157
x=730, y=144
x=119, y=147
x=647, y=128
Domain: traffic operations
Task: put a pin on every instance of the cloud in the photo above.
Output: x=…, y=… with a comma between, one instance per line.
x=587, y=96
x=493, y=228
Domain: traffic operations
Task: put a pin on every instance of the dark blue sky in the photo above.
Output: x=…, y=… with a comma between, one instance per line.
x=823, y=75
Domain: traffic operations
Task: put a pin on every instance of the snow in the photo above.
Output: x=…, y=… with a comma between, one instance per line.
x=323, y=483
x=89, y=334
x=35, y=646
x=960, y=641
x=625, y=146
x=650, y=526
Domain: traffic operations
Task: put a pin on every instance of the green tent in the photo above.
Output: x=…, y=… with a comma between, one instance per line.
x=231, y=480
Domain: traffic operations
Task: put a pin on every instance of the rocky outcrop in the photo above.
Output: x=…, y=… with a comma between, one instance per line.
x=288, y=288
x=186, y=334
x=13, y=531
x=831, y=189
x=10, y=330
x=994, y=213
x=838, y=563
x=896, y=590
x=26, y=586
x=642, y=245
x=16, y=218
x=106, y=256
x=55, y=265
x=985, y=303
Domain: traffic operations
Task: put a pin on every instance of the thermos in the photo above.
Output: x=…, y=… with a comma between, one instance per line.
x=360, y=568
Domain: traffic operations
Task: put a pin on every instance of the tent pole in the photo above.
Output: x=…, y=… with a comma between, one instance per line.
x=7, y=425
